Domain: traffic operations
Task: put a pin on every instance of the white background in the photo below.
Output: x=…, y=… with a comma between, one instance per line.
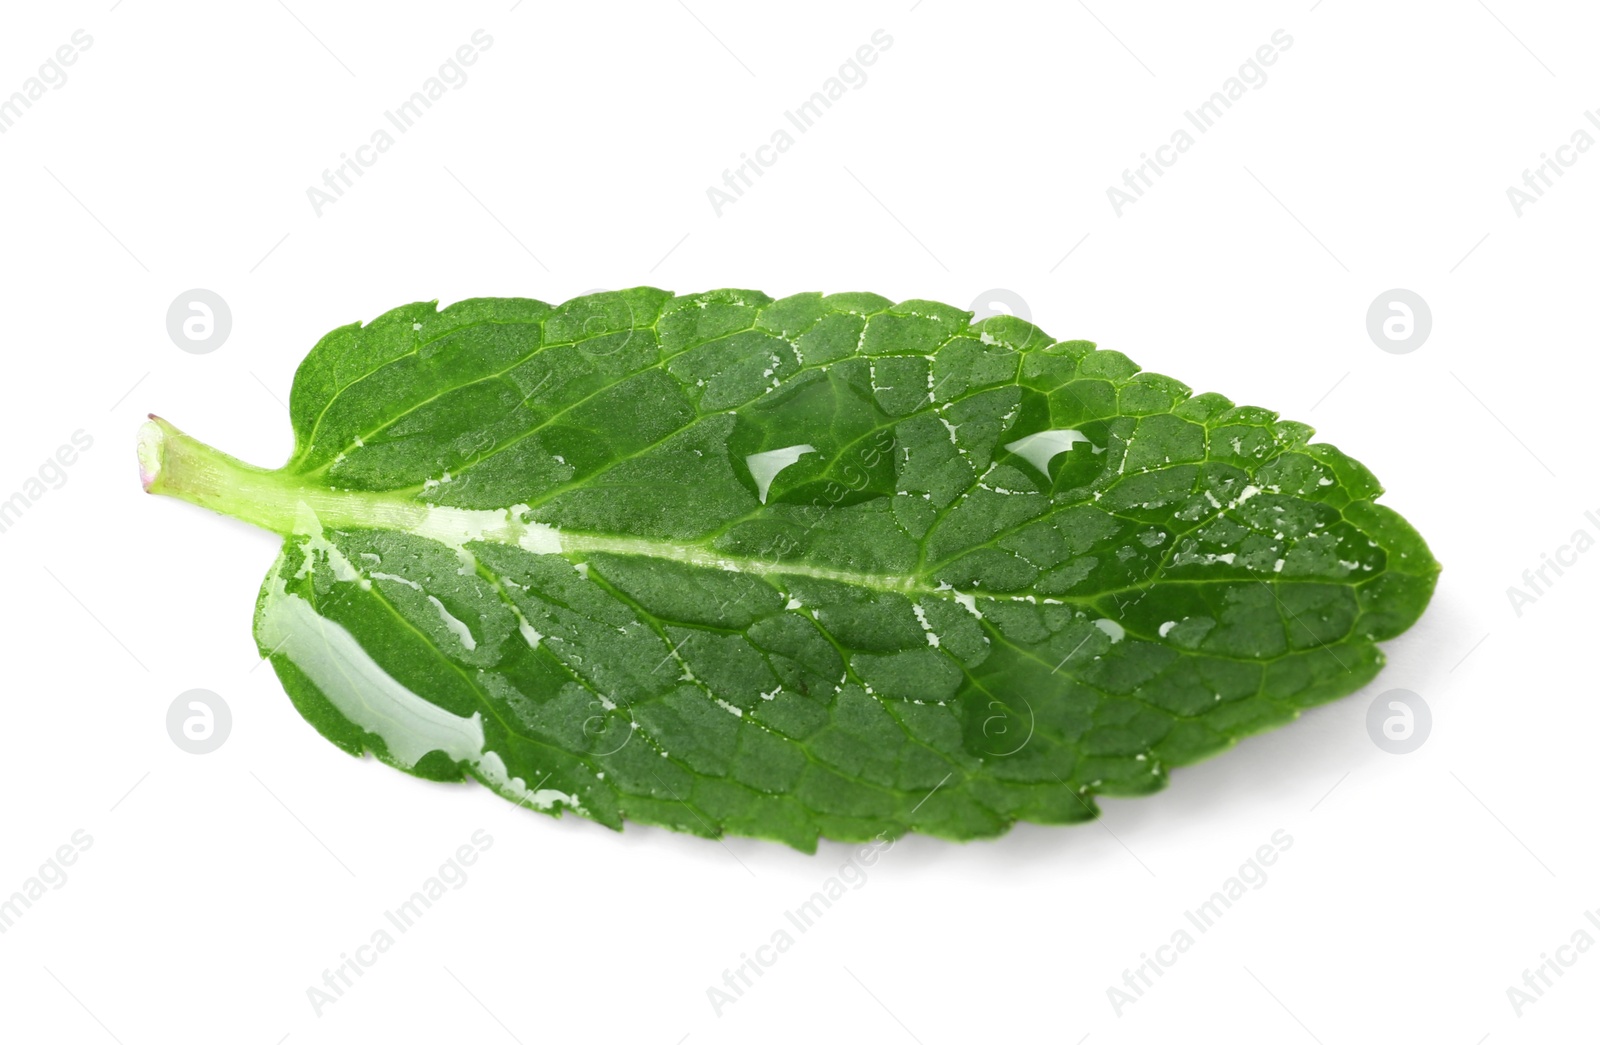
x=977, y=155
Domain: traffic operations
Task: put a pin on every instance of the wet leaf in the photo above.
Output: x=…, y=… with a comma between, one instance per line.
x=820, y=566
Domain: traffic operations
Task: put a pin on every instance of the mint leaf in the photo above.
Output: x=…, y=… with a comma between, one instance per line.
x=821, y=566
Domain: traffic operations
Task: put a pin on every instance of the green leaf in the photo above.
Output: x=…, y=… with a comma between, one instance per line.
x=821, y=566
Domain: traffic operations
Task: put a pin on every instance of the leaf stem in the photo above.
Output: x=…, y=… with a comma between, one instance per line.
x=175, y=464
